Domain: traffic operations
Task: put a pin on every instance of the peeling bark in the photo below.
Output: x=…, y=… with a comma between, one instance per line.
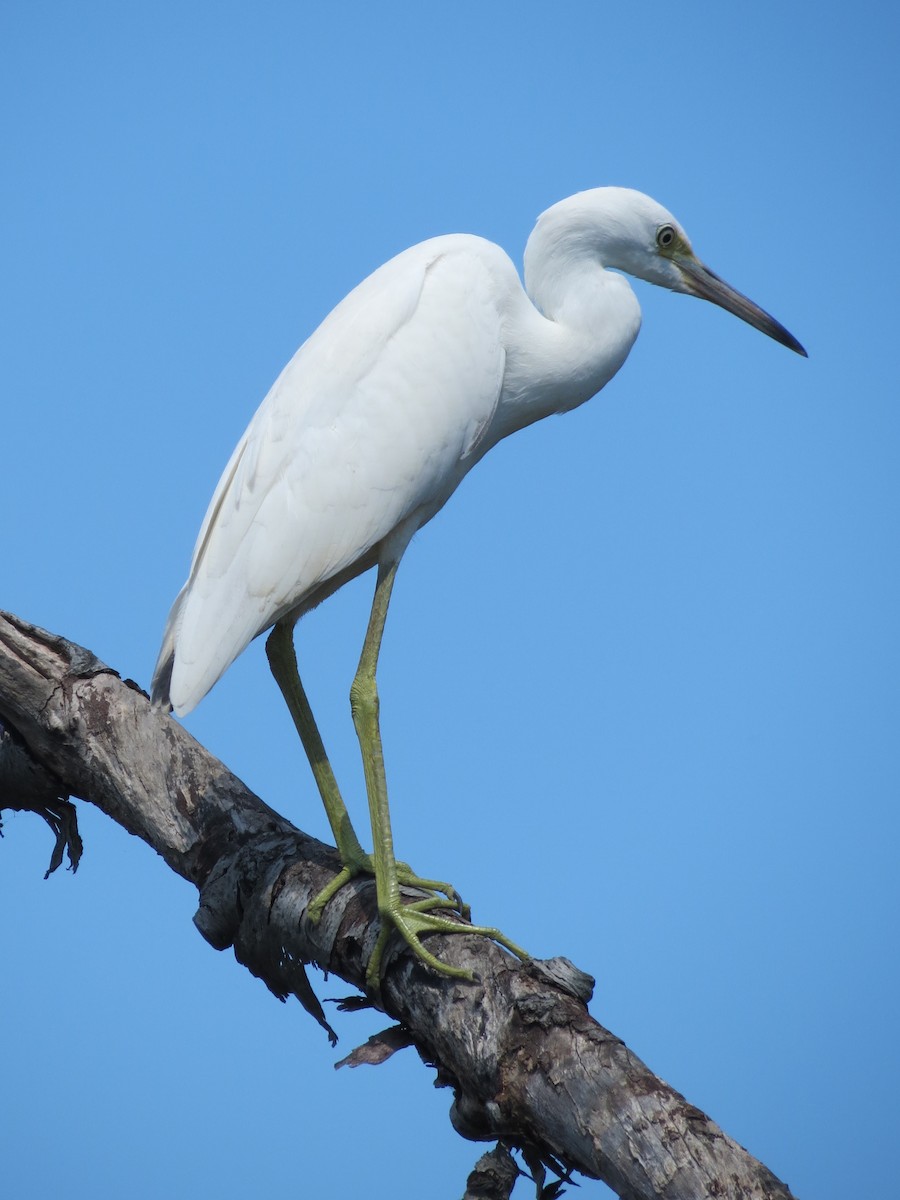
x=25, y=786
x=528, y=1064
x=493, y=1177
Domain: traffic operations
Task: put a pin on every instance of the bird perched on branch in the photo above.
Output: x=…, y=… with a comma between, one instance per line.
x=366, y=434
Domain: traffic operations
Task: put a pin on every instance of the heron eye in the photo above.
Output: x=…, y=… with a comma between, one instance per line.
x=665, y=237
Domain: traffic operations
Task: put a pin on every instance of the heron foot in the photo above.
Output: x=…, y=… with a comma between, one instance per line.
x=411, y=921
x=443, y=895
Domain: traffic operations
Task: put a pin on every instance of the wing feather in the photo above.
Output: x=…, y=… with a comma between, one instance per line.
x=376, y=418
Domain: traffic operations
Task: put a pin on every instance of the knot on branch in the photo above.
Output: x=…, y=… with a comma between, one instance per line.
x=236, y=909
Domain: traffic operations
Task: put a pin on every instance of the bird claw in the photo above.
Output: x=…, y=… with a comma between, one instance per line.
x=443, y=895
x=413, y=920
x=407, y=877
x=317, y=904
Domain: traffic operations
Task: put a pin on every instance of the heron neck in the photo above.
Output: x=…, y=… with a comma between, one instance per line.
x=566, y=274
x=575, y=331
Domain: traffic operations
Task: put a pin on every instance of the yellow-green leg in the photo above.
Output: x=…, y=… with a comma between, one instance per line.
x=355, y=861
x=409, y=920
x=283, y=663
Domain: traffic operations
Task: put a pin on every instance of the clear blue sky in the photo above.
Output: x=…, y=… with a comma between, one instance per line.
x=640, y=679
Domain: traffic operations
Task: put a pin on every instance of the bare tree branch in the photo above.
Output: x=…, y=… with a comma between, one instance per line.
x=541, y=1075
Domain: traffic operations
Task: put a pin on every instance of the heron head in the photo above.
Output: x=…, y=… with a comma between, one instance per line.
x=628, y=231
x=659, y=251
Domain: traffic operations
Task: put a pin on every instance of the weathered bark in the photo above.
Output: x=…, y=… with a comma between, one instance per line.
x=25, y=786
x=541, y=1074
x=493, y=1176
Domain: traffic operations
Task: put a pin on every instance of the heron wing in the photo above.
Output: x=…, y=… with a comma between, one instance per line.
x=373, y=422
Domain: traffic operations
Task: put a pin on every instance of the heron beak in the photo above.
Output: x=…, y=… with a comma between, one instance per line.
x=701, y=281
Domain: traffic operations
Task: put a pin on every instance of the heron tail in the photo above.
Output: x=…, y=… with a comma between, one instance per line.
x=162, y=673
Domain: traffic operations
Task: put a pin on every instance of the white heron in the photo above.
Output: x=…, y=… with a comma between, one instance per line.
x=368, y=431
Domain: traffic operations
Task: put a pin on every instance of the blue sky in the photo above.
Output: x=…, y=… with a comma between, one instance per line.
x=639, y=682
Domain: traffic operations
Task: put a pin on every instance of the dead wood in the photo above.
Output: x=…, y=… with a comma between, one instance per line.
x=528, y=1065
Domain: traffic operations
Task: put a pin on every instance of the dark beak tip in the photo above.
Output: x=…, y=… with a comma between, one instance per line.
x=700, y=281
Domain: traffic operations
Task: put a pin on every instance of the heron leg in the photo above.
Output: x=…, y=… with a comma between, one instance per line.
x=355, y=861
x=409, y=920
x=283, y=663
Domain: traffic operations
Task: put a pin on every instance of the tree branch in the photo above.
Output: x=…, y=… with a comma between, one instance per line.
x=542, y=1074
